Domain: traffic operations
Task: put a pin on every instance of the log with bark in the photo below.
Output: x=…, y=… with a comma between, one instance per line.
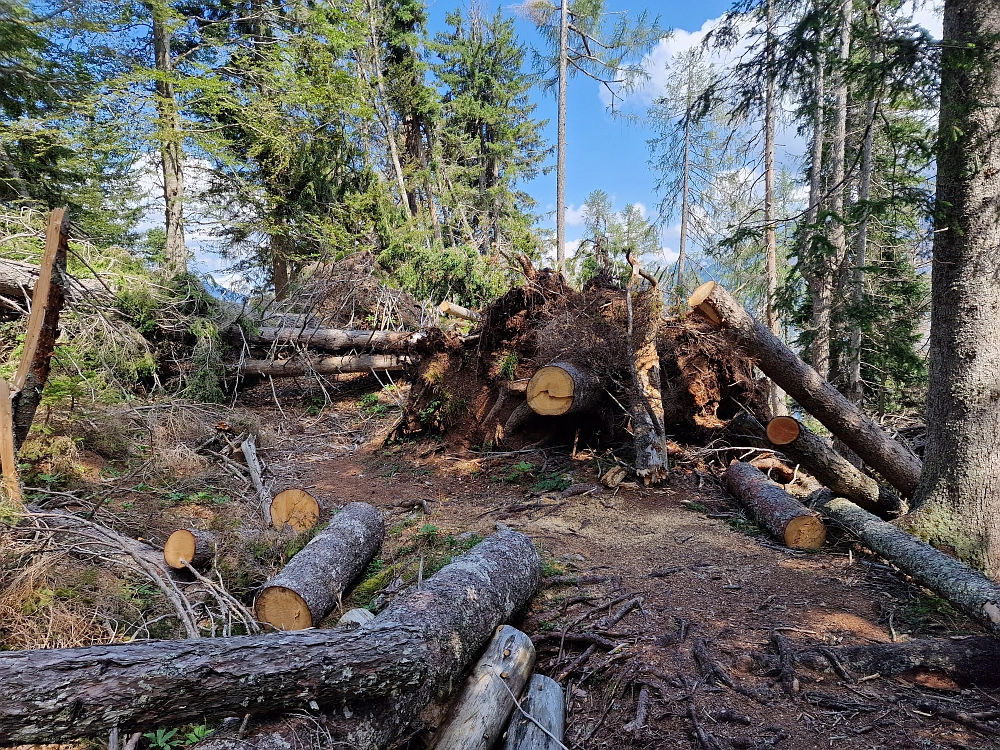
x=481, y=711
x=333, y=339
x=313, y=581
x=562, y=388
x=296, y=508
x=457, y=311
x=964, y=588
x=17, y=282
x=543, y=703
x=287, y=368
x=191, y=546
x=384, y=673
x=780, y=513
x=891, y=459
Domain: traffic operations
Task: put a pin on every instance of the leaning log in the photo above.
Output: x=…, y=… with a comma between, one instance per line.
x=482, y=709
x=543, y=702
x=191, y=546
x=967, y=590
x=562, y=388
x=780, y=513
x=333, y=339
x=311, y=584
x=457, y=311
x=9, y=479
x=388, y=670
x=888, y=457
x=459, y=609
x=256, y=469
x=288, y=368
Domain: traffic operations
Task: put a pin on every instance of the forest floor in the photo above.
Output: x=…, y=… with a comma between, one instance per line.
x=696, y=570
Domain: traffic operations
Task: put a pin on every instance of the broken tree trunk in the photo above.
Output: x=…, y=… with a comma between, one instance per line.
x=964, y=588
x=562, y=388
x=8, y=453
x=311, y=584
x=458, y=609
x=333, y=339
x=780, y=513
x=829, y=467
x=457, y=311
x=296, y=508
x=287, y=368
x=645, y=398
x=191, y=546
x=43, y=326
x=891, y=459
x=543, y=702
x=481, y=711
x=249, y=448
x=408, y=655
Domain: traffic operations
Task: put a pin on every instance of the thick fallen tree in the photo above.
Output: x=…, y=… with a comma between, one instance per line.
x=387, y=671
x=334, y=339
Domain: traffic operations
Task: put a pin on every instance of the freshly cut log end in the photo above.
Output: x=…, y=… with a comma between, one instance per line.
x=783, y=430
x=560, y=388
x=698, y=301
x=805, y=532
x=189, y=545
x=283, y=608
x=295, y=508
x=780, y=513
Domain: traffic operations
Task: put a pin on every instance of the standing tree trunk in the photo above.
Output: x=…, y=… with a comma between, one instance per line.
x=171, y=147
x=685, y=195
x=561, y=138
x=958, y=501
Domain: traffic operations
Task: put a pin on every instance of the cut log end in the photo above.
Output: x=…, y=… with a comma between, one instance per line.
x=783, y=430
x=698, y=301
x=805, y=532
x=550, y=391
x=188, y=546
x=282, y=608
x=295, y=508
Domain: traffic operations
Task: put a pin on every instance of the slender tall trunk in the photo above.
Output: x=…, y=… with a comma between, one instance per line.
x=832, y=261
x=171, y=148
x=280, y=253
x=561, y=145
x=958, y=500
x=816, y=168
x=685, y=207
x=776, y=396
x=855, y=386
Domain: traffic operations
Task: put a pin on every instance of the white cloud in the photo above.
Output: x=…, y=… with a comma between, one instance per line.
x=574, y=216
x=642, y=208
x=571, y=247
x=669, y=255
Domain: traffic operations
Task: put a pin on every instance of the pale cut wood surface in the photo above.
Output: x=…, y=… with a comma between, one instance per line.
x=457, y=311
x=195, y=547
x=296, y=508
x=8, y=456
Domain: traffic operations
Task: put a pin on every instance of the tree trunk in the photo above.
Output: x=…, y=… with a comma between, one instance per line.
x=197, y=548
x=333, y=339
x=562, y=388
x=311, y=584
x=287, y=368
x=832, y=470
x=411, y=653
x=43, y=327
x=10, y=482
x=171, y=146
x=457, y=311
x=279, y=265
x=561, y=139
x=296, y=508
x=645, y=398
x=964, y=588
x=893, y=460
x=685, y=194
x=958, y=502
x=780, y=513
x=17, y=281
x=543, y=701
x=479, y=714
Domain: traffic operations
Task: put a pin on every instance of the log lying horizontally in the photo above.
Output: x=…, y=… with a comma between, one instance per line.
x=191, y=546
x=17, y=281
x=562, y=388
x=543, y=701
x=287, y=368
x=311, y=584
x=481, y=711
x=891, y=459
x=780, y=513
x=332, y=339
x=412, y=652
x=457, y=311
x=964, y=588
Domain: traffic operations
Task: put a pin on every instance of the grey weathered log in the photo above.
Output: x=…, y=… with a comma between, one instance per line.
x=543, y=701
x=890, y=458
x=17, y=281
x=333, y=339
x=286, y=368
x=645, y=394
x=481, y=711
x=385, y=673
x=964, y=588
x=783, y=515
x=249, y=448
x=311, y=584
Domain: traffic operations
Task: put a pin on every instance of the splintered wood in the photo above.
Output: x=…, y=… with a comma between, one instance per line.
x=8, y=456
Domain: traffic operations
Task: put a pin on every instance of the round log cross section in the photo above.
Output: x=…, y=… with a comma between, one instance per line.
x=560, y=388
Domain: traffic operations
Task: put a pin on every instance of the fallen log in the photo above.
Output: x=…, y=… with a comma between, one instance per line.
x=780, y=513
x=408, y=655
x=287, y=368
x=457, y=311
x=296, y=508
x=964, y=588
x=458, y=609
x=481, y=711
x=562, y=388
x=311, y=584
x=891, y=459
x=189, y=546
x=543, y=702
x=17, y=281
x=333, y=339
x=829, y=467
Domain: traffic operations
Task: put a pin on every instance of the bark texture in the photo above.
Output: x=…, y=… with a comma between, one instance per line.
x=333, y=339
x=286, y=368
x=542, y=700
x=311, y=584
x=891, y=459
x=958, y=503
x=782, y=515
x=645, y=397
x=964, y=588
x=17, y=281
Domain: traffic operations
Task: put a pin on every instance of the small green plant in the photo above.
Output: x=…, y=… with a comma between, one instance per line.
x=743, y=523
x=370, y=405
x=516, y=473
x=163, y=739
x=553, y=483
x=508, y=366
x=696, y=507
x=196, y=734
